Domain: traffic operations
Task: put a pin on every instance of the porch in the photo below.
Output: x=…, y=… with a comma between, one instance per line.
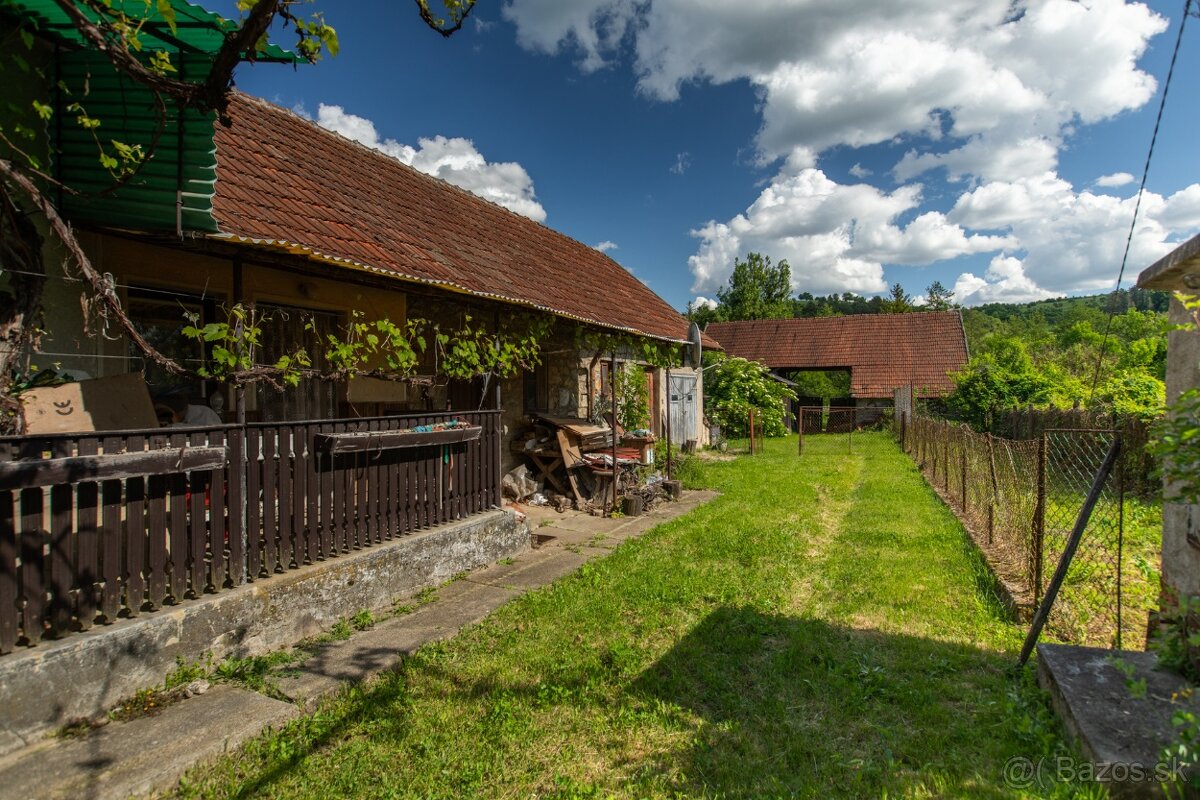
x=96, y=527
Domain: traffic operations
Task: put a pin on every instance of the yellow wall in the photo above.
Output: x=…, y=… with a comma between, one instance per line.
x=135, y=263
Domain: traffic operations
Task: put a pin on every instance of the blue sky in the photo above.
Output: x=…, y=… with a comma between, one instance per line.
x=956, y=140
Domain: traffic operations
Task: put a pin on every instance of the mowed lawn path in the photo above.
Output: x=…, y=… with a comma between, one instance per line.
x=821, y=629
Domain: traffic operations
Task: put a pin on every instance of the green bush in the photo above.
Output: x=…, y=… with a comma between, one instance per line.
x=633, y=392
x=734, y=386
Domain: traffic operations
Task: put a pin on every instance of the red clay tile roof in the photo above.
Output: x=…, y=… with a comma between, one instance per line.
x=882, y=351
x=287, y=184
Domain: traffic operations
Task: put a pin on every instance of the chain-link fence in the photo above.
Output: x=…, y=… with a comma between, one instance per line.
x=843, y=420
x=1088, y=607
x=1139, y=475
x=1020, y=499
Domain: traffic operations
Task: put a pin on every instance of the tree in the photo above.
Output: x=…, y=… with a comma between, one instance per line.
x=757, y=289
x=825, y=384
x=938, y=297
x=1000, y=377
x=119, y=35
x=701, y=313
x=1134, y=393
x=898, y=302
x=734, y=386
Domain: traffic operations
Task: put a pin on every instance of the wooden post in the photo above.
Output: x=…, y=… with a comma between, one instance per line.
x=850, y=436
x=238, y=296
x=752, y=431
x=668, y=423
x=800, y=428
x=612, y=376
x=239, y=464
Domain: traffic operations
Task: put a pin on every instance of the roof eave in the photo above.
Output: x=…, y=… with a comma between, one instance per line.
x=1172, y=270
x=295, y=249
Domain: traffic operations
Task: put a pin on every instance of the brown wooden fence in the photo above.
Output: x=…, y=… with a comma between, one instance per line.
x=94, y=527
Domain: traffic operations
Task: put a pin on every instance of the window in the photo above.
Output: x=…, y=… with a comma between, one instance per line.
x=285, y=330
x=160, y=317
x=535, y=389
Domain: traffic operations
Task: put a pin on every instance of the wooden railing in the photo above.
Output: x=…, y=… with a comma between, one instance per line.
x=94, y=527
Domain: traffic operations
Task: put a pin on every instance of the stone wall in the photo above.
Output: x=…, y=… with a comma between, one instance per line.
x=1181, y=521
x=44, y=687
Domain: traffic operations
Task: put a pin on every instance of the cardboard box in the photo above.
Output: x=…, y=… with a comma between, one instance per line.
x=121, y=402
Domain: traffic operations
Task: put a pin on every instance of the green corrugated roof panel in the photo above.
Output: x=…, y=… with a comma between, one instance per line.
x=174, y=189
x=196, y=30
x=184, y=160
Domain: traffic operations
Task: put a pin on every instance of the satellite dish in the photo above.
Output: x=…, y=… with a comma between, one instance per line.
x=694, y=349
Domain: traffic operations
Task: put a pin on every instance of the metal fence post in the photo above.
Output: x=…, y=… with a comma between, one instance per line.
x=946, y=457
x=964, y=474
x=1120, y=540
x=1039, y=521
x=991, y=452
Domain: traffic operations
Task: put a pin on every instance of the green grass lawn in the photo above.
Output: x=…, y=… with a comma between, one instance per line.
x=821, y=629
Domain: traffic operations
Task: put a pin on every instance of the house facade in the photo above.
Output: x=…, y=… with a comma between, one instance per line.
x=313, y=230
x=313, y=233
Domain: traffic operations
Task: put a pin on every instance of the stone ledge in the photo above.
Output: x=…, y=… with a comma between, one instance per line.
x=82, y=675
x=135, y=757
x=1109, y=724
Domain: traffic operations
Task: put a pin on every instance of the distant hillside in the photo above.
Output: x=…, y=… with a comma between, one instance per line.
x=1055, y=310
x=1036, y=320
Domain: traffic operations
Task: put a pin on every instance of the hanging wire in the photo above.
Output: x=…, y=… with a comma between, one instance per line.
x=1162, y=104
x=137, y=288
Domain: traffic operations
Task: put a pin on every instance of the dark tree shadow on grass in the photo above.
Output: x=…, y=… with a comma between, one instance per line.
x=760, y=705
x=799, y=707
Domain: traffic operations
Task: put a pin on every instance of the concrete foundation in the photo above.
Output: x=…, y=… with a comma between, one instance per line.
x=44, y=687
x=1121, y=732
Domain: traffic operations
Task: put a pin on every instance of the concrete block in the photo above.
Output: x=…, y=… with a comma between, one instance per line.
x=1122, y=733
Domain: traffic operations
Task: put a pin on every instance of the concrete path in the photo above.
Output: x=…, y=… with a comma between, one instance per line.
x=151, y=753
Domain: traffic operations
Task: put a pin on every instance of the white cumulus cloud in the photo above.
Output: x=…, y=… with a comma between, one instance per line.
x=1115, y=179
x=1070, y=241
x=984, y=93
x=452, y=159
x=1004, y=281
x=606, y=245
x=835, y=237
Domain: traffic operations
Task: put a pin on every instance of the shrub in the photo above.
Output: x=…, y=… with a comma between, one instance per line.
x=734, y=386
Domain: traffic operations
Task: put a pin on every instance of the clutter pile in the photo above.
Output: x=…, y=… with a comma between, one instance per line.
x=444, y=425
x=570, y=465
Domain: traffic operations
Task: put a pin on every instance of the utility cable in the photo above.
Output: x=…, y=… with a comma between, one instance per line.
x=1162, y=104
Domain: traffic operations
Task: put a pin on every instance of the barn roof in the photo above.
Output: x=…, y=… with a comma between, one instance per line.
x=882, y=351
